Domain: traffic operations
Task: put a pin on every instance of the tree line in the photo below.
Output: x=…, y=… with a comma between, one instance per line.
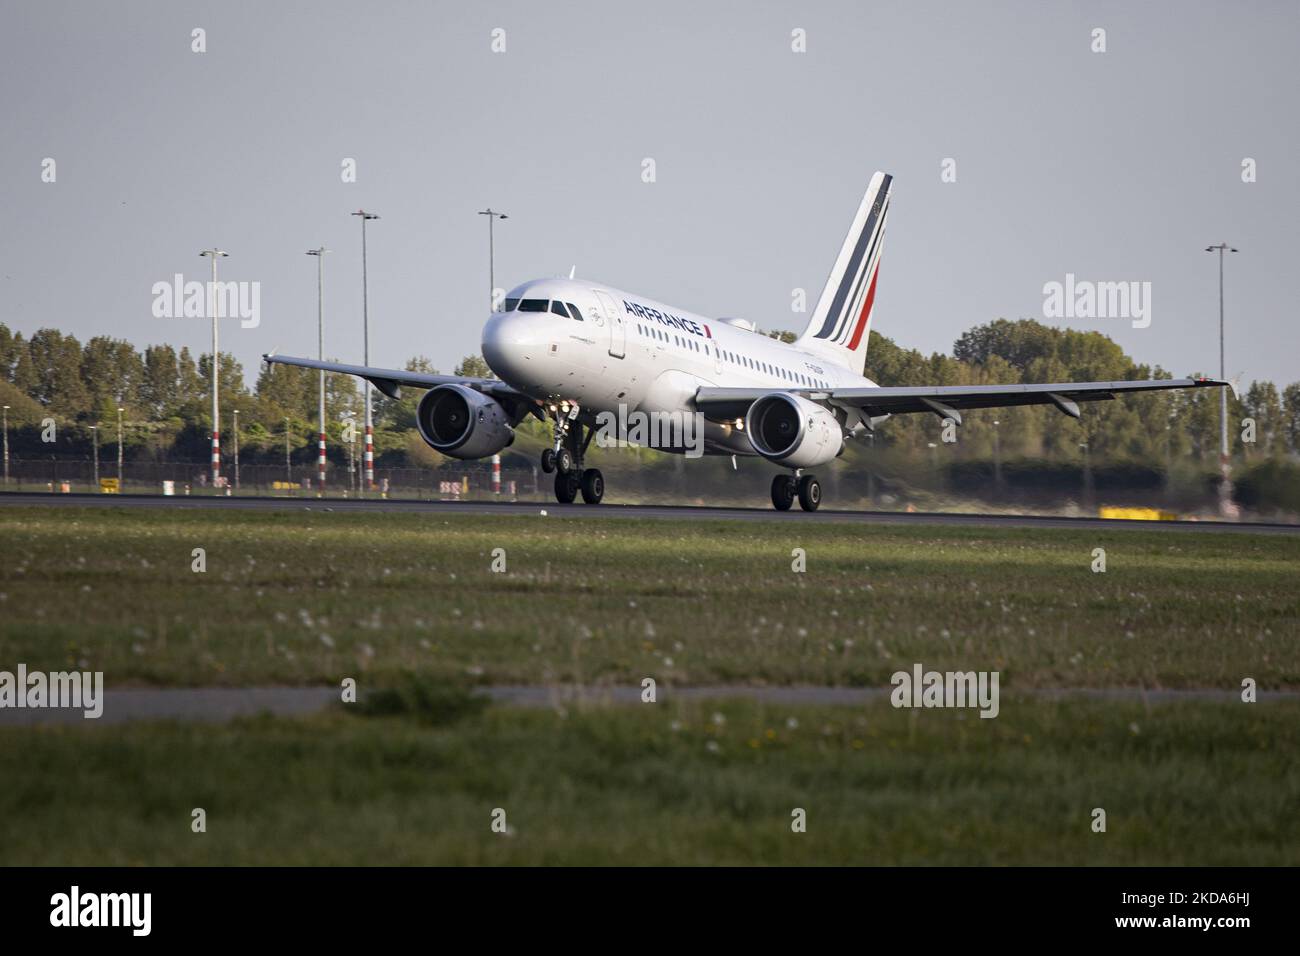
x=165, y=397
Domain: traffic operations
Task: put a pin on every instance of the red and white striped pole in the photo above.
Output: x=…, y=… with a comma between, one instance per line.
x=215, y=254
x=320, y=352
x=320, y=464
x=496, y=474
x=370, y=457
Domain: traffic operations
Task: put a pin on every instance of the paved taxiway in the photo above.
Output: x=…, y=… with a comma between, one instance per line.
x=678, y=512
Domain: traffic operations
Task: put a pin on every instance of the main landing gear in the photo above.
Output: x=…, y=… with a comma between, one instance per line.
x=565, y=460
x=785, y=488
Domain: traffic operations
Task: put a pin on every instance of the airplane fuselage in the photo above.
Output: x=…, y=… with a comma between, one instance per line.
x=646, y=356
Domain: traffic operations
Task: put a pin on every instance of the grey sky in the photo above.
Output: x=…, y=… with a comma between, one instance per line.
x=1114, y=166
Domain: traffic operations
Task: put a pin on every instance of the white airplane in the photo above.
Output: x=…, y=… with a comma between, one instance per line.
x=568, y=350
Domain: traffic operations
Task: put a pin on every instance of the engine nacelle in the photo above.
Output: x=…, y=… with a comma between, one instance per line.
x=793, y=431
x=462, y=422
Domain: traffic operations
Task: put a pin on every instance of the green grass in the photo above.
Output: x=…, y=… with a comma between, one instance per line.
x=669, y=784
x=408, y=604
x=308, y=598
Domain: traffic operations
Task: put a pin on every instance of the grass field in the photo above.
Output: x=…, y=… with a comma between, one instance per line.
x=309, y=598
x=661, y=784
x=409, y=600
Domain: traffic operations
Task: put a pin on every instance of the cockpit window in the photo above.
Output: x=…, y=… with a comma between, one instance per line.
x=511, y=305
x=577, y=313
x=533, y=305
x=558, y=308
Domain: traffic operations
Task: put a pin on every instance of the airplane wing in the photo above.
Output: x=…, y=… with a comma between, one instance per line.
x=946, y=401
x=390, y=380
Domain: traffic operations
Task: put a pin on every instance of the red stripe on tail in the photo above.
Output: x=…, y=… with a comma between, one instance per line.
x=866, y=311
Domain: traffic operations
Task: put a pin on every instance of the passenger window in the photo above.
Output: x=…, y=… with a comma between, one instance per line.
x=533, y=305
x=511, y=305
x=575, y=311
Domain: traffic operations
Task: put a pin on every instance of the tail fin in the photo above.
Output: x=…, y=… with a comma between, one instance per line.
x=839, y=325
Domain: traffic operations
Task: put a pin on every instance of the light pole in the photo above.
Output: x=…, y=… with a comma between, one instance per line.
x=1087, y=475
x=365, y=322
x=997, y=457
x=320, y=349
x=236, y=449
x=492, y=282
x=1221, y=248
x=6, y=415
x=871, y=471
x=94, y=439
x=214, y=254
x=119, y=449
x=1169, y=454
x=288, y=471
x=351, y=446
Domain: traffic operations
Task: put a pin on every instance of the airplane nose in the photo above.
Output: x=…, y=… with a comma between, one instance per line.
x=506, y=343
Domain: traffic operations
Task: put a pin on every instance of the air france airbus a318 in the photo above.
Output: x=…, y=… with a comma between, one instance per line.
x=576, y=352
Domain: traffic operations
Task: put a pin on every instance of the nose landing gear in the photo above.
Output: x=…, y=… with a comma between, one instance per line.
x=566, y=458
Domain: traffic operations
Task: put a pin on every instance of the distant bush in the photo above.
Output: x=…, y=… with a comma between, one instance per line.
x=1037, y=474
x=1271, y=485
x=423, y=698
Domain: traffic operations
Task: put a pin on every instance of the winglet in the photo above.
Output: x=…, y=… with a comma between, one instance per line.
x=1206, y=380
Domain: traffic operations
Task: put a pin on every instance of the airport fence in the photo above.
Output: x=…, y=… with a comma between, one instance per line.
x=58, y=475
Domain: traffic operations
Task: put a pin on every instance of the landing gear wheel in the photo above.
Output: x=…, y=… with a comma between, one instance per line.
x=810, y=493
x=566, y=488
x=782, y=492
x=564, y=461
x=593, y=486
x=548, y=460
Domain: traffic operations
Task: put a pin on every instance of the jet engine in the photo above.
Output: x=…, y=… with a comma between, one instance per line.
x=462, y=422
x=792, y=431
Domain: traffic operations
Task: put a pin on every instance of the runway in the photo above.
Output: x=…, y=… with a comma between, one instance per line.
x=670, y=512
